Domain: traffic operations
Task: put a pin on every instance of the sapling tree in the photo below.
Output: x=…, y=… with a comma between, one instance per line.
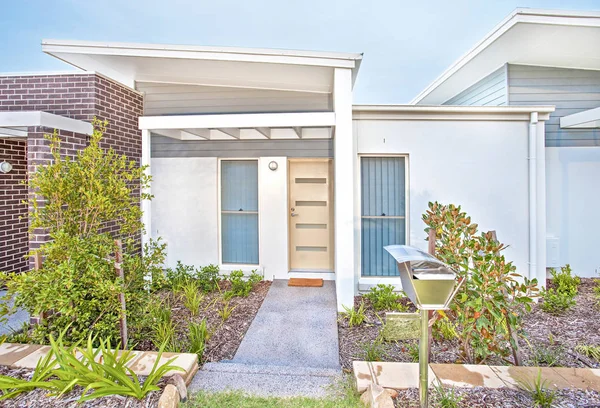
x=83, y=204
x=487, y=311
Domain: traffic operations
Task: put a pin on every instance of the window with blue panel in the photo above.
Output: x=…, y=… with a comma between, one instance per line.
x=383, y=212
x=239, y=211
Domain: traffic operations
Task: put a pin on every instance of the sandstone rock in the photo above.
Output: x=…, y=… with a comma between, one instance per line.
x=392, y=392
x=377, y=397
x=169, y=397
x=178, y=381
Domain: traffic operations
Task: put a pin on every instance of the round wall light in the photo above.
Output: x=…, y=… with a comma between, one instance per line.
x=273, y=165
x=5, y=167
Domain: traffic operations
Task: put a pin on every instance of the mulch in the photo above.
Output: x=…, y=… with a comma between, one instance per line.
x=579, y=325
x=227, y=335
x=502, y=398
x=39, y=398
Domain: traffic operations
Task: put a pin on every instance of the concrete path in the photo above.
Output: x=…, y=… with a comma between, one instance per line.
x=291, y=347
x=15, y=321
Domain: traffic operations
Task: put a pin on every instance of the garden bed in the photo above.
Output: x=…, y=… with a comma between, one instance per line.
x=551, y=339
x=226, y=335
x=39, y=397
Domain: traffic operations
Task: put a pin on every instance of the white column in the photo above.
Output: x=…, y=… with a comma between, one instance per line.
x=146, y=204
x=541, y=202
x=533, y=196
x=344, y=156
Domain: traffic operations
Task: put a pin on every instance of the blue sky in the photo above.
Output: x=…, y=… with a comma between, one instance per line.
x=406, y=44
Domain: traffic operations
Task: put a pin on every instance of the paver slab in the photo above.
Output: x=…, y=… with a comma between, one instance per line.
x=12, y=352
x=398, y=376
x=513, y=376
x=31, y=360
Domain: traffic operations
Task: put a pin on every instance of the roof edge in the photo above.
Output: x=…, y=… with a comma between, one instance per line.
x=384, y=108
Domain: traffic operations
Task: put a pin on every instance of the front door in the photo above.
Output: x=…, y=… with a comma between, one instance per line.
x=311, y=215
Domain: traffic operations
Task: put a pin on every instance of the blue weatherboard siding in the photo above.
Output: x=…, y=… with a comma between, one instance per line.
x=489, y=91
x=239, y=211
x=383, y=195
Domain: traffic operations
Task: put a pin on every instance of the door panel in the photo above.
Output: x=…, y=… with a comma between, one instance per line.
x=311, y=215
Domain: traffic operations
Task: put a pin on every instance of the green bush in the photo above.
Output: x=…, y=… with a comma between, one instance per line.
x=197, y=337
x=241, y=286
x=555, y=302
x=77, y=285
x=564, y=282
x=355, y=317
x=487, y=311
x=178, y=277
x=383, y=297
x=208, y=278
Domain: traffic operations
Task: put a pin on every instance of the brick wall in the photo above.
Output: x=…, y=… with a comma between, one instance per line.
x=13, y=212
x=78, y=96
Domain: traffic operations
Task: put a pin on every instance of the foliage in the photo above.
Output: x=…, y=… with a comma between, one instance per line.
x=178, y=277
x=373, y=351
x=443, y=328
x=546, y=355
x=165, y=334
x=589, y=351
x=413, y=352
x=208, y=278
x=20, y=335
x=355, y=317
x=240, y=286
x=192, y=297
x=197, y=337
x=597, y=292
x=556, y=302
x=446, y=398
x=564, y=281
x=487, y=311
x=383, y=297
x=541, y=395
x=81, y=198
x=227, y=310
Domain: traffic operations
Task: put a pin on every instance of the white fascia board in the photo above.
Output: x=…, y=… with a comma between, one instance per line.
x=44, y=119
x=13, y=132
x=519, y=15
x=453, y=108
x=251, y=120
x=324, y=59
x=589, y=119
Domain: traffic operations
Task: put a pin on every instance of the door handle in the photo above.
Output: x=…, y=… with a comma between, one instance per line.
x=293, y=214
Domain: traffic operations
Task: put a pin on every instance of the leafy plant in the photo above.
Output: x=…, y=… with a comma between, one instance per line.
x=227, y=310
x=546, y=355
x=159, y=310
x=597, y=292
x=208, y=278
x=373, y=351
x=555, y=302
x=355, y=317
x=564, y=281
x=178, y=277
x=165, y=334
x=487, y=311
x=255, y=277
x=20, y=335
x=239, y=286
x=75, y=201
x=198, y=336
x=192, y=297
x=447, y=397
x=443, y=328
x=383, y=297
x=541, y=395
x=589, y=351
x=413, y=352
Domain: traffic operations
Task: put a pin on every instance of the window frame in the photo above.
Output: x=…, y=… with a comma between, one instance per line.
x=406, y=157
x=220, y=161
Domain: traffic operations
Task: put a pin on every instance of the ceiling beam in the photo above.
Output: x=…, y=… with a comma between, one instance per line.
x=265, y=131
x=177, y=134
x=238, y=120
x=233, y=132
x=298, y=131
x=202, y=133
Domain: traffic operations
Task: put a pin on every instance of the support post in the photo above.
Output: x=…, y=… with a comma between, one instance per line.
x=121, y=275
x=145, y=204
x=431, y=250
x=37, y=265
x=424, y=360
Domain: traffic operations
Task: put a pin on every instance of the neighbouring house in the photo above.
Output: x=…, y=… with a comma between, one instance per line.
x=543, y=57
x=260, y=160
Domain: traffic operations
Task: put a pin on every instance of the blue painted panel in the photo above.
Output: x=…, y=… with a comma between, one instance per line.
x=377, y=233
x=239, y=238
x=239, y=185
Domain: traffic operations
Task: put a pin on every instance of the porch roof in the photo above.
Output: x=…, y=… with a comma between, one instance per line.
x=15, y=124
x=588, y=119
x=253, y=68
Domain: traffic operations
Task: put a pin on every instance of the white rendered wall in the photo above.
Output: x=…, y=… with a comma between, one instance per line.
x=273, y=214
x=572, y=197
x=184, y=209
x=481, y=165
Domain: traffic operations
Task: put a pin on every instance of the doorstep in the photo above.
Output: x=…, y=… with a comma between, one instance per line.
x=28, y=355
x=406, y=375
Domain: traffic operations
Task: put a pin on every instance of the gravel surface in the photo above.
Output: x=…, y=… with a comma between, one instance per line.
x=501, y=397
x=544, y=332
x=39, y=399
x=227, y=335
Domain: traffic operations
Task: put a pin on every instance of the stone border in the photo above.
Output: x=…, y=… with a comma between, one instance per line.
x=406, y=375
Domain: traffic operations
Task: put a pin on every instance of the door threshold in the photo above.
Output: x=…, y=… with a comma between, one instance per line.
x=328, y=276
x=299, y=270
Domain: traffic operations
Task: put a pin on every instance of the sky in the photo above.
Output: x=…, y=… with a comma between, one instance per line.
x=406, y=44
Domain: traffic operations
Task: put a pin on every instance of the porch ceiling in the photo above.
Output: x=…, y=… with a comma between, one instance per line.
x=16, y=124
x=306, y=125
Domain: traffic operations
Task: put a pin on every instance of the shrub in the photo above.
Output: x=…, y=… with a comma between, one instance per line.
x=446, y=398
x=226, y=312
x=546, y=355
x=197, y=337
x=373, y=351
x=564, y=282
x=192, y=297
x=487, y=311
x=413, y=352
x=165, y=334
x=208, y=278
x=178, y=277
x=355, y=317
x=383, y=297
x=239, y=285
x=539, y=392
x=555, y=302
x=77, y=281
x=443, y=328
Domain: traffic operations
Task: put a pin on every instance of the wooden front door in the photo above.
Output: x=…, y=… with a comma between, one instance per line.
x=311, y=215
